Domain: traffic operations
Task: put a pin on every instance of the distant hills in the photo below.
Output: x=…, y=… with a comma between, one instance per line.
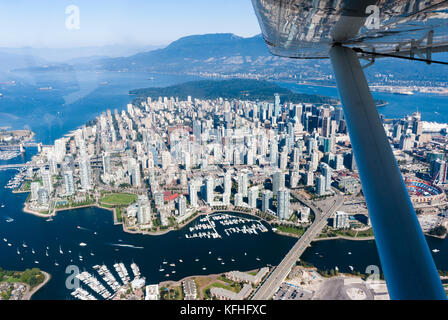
x=228, y=55
x=242, y=89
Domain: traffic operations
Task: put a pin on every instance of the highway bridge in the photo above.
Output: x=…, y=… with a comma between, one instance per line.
x=270, y=285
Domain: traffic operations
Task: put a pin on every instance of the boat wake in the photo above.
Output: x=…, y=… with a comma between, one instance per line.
x=125, y=245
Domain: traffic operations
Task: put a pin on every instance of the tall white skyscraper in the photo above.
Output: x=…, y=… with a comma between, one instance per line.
x=320, y=185
x=209, y=188
x=253, y=195
x=278, y=181
x=266, y=199
x=283, y=203
x=46, y=180
x=238, y=200
x=181, y=205
x=69, y=183
x=84, y=173
x=228, y=183
x=193, y=193
x=106, y=163
x=243, y=184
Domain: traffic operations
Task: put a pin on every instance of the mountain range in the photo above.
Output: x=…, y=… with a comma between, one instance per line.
x=227, y=55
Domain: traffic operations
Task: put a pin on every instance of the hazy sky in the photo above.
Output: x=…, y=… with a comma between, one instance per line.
x=42, y=23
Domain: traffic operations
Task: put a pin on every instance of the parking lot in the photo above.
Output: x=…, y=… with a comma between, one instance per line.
x=291, y=292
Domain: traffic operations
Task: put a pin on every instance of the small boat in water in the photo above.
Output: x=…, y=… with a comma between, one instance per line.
x=435, y=250
x=32, y=250
x=36, y=262
x=9, y=220
x=204, y=268
x=46, y=253
x=258, y=259
x=349, y=252
x=351, y=268
x=3, y=205
x=24, y=245
x=167, y=275
x=180, y=260
x=196, y=259
x=82, y=244
x=18, y=252
x=92, y=254
x=9, y=245
x=172, y=265
x=4, y=239
x=60, y=250
x=56, y=264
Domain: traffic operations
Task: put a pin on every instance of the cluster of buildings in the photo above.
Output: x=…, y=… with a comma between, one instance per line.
x=181, y=156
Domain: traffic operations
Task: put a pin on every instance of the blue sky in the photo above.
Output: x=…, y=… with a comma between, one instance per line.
x=41, y=23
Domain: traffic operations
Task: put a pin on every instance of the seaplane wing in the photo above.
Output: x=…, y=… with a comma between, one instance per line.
x=307, y=29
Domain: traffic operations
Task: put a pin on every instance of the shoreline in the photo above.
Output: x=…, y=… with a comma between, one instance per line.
x=125, y=229
x=30, y=292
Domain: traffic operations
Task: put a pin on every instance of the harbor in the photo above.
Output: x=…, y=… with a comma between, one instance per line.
x=206, y=227
x=107, y=287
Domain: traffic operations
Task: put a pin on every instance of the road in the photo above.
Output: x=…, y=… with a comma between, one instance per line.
x=268, y=288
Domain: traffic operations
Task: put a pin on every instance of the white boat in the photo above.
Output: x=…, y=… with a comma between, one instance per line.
x=161, y=269
x=173, y=271
x=258, y=259
x=435, y=250
x=18, y=252
x=9, y=245
x=9, y=220
x=351, y=268
x=172, y=265
x=46, y=253
x=196, y=259
x=204, y=268
x=82, y=244
x=3, y=205
x=167, y=275
x=24, y=245
x=60, y=250
x=180, y=260
x=36, y=262
x=164, y=262
x=56, y=264
x=219, y=259
x=92, y=254
x=4, y=239
x=32, y=250
x=347, y=252
x=336, y=268
x=233, y=260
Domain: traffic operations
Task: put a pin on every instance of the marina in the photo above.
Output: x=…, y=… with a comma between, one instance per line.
x=207, y=226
